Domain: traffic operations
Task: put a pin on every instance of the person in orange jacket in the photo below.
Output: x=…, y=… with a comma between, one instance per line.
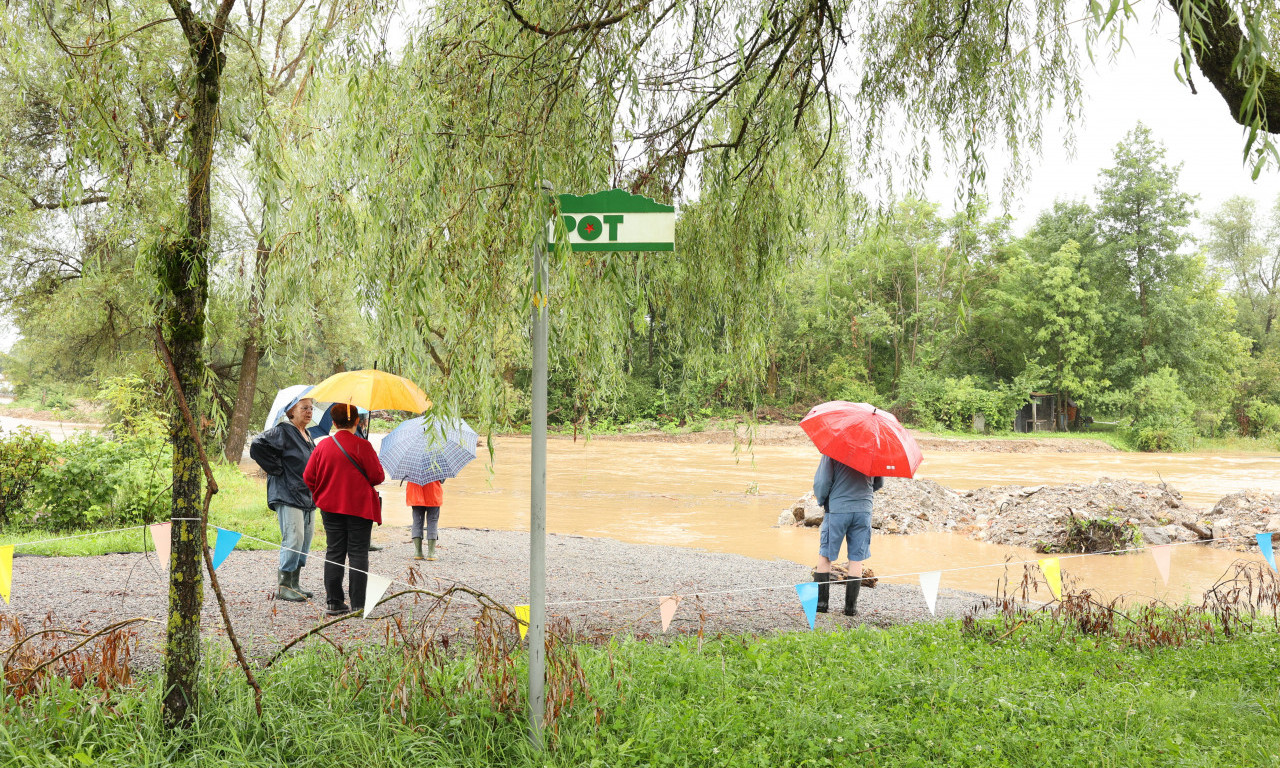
x=424, y=501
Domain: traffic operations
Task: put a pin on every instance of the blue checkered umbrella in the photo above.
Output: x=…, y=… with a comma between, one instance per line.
x=426, y=450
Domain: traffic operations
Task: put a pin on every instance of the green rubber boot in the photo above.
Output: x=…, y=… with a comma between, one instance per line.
x=431, y=549
x=293, y=582
x=285, y=590
x=417, y=549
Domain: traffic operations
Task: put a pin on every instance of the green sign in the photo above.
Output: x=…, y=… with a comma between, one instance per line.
x=615, y=220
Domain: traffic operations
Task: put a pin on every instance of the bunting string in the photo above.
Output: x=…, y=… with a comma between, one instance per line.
x=668, y=595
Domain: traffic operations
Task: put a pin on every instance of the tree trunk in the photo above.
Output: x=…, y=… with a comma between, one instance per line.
x=184, y=275
x=238, y=430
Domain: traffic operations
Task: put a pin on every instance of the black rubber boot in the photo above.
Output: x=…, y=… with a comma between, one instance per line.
x=824, y=590
x=298, y=587
x=851, y=589
x=285, y=590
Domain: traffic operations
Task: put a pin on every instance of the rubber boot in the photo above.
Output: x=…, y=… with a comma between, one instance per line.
x=298, y=587
x=431, y=549
x=851, y=590
x=284, y=588
x=824, y=590
x=417, y=549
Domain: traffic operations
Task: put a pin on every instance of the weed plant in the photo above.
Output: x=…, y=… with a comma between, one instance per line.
x=1062, y=684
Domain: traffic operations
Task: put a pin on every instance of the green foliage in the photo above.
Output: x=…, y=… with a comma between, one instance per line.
x=95, y=481
x=952, y=403
x=1160, y=412
x=24, y=455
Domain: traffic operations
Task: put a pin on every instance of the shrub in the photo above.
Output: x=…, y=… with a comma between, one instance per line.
x=1264, y=417
x=23, y=456
x=1161, y=413
x=96, y=481
x=951, y=403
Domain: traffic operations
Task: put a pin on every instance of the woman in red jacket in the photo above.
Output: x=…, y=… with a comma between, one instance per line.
x=341, y=474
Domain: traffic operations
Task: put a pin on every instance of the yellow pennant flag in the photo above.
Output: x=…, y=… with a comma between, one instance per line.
x=522, y=619
x=6, y=572
x=1052, y=574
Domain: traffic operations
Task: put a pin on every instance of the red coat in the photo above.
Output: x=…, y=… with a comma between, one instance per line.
x=336, y=485
x=429, y=495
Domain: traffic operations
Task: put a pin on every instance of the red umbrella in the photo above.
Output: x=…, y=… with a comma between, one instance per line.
x=863, y=437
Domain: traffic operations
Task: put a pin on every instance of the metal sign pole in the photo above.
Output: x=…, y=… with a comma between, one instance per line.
x=538, y=502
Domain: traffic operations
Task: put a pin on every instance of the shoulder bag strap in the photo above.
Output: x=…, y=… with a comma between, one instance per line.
x=353, y=461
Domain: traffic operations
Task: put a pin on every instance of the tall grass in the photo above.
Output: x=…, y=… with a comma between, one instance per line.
x=919, y=695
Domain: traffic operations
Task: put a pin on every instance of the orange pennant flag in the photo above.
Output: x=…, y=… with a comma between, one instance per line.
x=1161, y=553
x=6, y=572
x=522, y=619
x=668, y=606
x=160, y=533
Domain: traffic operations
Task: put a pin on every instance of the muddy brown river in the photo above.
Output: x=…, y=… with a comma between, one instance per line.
x=704, y=496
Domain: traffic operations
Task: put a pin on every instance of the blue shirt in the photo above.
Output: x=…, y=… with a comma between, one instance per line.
x=841, y=488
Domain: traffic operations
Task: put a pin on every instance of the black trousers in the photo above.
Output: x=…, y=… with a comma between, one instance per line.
x=348, y=537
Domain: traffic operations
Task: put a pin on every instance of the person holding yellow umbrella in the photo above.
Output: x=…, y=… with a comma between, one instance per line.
x=343, y=464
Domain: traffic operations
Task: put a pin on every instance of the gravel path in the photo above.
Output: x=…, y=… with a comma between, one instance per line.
x=101, y=590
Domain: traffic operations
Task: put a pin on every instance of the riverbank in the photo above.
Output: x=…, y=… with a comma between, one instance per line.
x=603, y=588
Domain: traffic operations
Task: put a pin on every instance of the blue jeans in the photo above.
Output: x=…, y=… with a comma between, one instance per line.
x=296, y=528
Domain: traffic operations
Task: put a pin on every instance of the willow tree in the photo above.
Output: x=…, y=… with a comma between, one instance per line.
x=142, y=91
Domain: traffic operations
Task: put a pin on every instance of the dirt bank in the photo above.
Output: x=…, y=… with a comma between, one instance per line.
x=1055, y=518
x=791, y=434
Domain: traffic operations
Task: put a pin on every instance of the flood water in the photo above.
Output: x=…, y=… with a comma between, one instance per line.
x=702, y=495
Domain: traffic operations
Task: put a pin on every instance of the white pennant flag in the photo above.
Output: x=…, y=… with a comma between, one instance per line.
x=667, y=606
x=374, y=589
x=929, y=583
x=160, y=537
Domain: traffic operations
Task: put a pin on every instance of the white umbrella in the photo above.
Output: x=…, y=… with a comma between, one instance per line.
x=284, y=398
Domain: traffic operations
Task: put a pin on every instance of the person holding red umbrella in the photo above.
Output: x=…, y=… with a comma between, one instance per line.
x=860, y=446
x=846, y=495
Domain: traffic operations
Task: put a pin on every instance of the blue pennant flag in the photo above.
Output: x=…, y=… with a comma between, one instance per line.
x=226, y=542
x=1264, y=543
x=808, y=593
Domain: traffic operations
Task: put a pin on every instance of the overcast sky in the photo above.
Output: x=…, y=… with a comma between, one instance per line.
x=1140, y=85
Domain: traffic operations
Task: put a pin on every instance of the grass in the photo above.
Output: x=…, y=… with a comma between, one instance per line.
x=919, y=695
x=240, y=505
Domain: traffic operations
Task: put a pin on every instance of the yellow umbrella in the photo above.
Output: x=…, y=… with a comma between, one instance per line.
x=373, y=390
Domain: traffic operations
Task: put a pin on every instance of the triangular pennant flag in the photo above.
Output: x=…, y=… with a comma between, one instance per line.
x=929, y=583
x=1053, y=574
x=522, y=619
x=808, y=593
x=6, y=572
x=375, y=587
x=1264, y=543
x=160, y=537
x=667, y=606
x=1161, y=553
x=226, y=542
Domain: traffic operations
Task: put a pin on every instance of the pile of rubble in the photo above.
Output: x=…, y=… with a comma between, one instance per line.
x=1038, y=517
